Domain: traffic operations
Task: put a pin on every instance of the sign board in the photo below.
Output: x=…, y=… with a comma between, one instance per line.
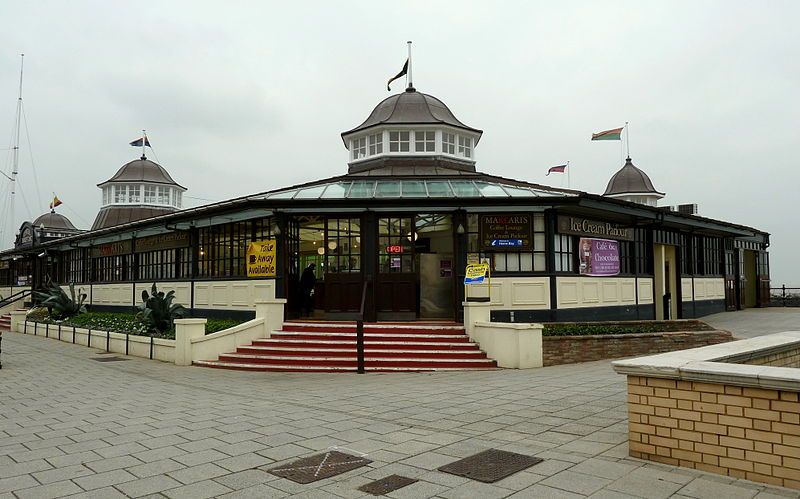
x=112, y=249
x=167, y=241
x=475, y=274
x=598, y=257
x=593, y=228
x=395, y=248
x=506, y=231
x=261, y=258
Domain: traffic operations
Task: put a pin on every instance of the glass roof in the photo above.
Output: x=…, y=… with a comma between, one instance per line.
x=404, y=189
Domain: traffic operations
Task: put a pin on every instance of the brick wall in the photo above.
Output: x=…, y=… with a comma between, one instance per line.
x=571, y=349
x=787, y=358
x=741, y=432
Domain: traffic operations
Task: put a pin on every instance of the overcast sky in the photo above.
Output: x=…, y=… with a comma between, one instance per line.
x=243, y=97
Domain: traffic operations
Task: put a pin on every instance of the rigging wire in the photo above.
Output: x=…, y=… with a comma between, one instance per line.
x=33, y=165
x=75, y=213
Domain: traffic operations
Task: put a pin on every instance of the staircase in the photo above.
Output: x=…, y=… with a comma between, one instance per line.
x=331, y=347
x=5, y=322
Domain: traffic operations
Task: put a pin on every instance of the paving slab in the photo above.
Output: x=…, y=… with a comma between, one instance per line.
x=146, y=428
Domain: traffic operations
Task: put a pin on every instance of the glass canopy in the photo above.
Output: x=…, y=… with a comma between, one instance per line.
x=405, y=189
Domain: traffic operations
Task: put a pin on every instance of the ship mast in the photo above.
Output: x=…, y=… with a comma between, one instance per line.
x=15, y=154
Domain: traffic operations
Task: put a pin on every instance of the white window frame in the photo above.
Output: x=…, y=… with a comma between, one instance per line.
x=464, y=149
x=150, y=197
x=163, y=195
x=120, y=194
x=134, y=194
x=375, y=144
x=399, y=142
x=449, y=147
x=359, y=148
x=421, y=138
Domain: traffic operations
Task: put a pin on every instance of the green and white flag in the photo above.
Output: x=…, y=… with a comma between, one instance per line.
x=614, y=134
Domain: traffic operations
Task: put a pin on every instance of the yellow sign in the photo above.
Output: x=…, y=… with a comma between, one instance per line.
x=473, y=258
x=261, y=258
x=476, y=273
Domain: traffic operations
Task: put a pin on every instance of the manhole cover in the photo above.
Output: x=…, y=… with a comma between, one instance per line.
x=490, y=465
x=386, y=485
x=108, y=359
x=326, y=465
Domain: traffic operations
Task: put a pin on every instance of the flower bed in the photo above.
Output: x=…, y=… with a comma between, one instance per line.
x=127, y=323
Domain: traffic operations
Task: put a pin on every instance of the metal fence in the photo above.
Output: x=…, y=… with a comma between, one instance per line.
x=784, y=297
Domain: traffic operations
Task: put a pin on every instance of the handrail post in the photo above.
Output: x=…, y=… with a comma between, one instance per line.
x=360, y=345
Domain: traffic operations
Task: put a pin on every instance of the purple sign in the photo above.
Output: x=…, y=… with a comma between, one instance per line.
x=598, y=257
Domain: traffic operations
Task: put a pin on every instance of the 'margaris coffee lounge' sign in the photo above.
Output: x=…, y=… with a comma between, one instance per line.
x=506, y=232
x=593, y=228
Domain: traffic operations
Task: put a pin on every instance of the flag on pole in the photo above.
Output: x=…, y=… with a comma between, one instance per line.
x=402, y=72
x=140, y=142
x=556, y=169
x=614, y=134
x=55, y=202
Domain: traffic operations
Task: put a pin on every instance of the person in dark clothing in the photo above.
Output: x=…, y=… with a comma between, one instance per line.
x=307, y=282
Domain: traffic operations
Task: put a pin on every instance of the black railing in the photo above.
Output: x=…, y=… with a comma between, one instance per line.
x=89, y=336
x=360, y=331
x=15, y=297
x=784, y=297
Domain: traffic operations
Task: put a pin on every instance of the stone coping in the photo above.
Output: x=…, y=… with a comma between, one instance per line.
x=711, y=364
x=509, y=325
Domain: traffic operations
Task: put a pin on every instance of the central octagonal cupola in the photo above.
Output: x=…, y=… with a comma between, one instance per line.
x=411, y=129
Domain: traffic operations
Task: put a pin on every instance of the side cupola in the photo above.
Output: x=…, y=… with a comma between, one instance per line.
x=632, y=184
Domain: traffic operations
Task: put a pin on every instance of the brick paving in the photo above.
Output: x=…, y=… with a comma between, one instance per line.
x=71, y=426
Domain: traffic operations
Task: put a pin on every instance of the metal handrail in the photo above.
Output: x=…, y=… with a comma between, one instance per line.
x=360, y=330
x=14, y=297
x=782, y=298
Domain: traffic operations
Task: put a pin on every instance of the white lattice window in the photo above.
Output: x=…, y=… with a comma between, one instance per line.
x=150, y=194
x=424, y=141
x=399, y=141
x=360, y=148
x=375, y=144
x=449, y=143
x=464, y=146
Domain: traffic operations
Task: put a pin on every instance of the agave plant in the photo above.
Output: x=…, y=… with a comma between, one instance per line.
x=157, y=311
x=57, y=303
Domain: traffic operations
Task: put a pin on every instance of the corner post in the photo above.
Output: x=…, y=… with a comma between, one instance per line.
x=185, y=331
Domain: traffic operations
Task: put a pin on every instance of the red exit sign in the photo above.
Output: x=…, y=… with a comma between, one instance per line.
x=394, y=249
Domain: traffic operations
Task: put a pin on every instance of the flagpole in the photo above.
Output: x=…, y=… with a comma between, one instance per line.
x=144, y=141
x=569, y=182
x=409, y=79
x=628, y=138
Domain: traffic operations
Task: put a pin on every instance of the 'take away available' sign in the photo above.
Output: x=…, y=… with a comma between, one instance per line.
x=506, y=232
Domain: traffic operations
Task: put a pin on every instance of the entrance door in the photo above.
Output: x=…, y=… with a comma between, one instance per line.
x=397, y=280
x=435, y=252
x=343, y=266
x=763, y=278
x=730, y=280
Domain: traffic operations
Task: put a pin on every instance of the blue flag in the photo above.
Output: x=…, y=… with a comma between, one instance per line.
x=138, y=142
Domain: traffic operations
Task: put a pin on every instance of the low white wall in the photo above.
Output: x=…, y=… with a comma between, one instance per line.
x=526, y=293
x=514, y=346
x=193, y=344
x=137, y=346
x=687, y=293
x=217, y=295
x=7, y=292
x=587, y=292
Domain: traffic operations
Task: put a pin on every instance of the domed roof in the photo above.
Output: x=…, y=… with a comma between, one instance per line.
x=630, y=180
x=411, y=108
x=53, y=220
x=142, y=170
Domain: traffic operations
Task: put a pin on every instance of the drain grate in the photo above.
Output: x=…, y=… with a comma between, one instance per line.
x=386, y=485
x=320, y=466
x=490, y=465
x=108, y=359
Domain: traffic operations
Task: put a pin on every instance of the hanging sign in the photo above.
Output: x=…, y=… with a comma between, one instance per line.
x=506, y=231
x=598, y=257
x=261, y=258
x=476, y=274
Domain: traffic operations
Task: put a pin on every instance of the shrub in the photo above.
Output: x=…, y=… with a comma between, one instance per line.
x=58, y=304
x=157, y=312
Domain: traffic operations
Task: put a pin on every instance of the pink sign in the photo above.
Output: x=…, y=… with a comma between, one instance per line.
x=598, y=257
